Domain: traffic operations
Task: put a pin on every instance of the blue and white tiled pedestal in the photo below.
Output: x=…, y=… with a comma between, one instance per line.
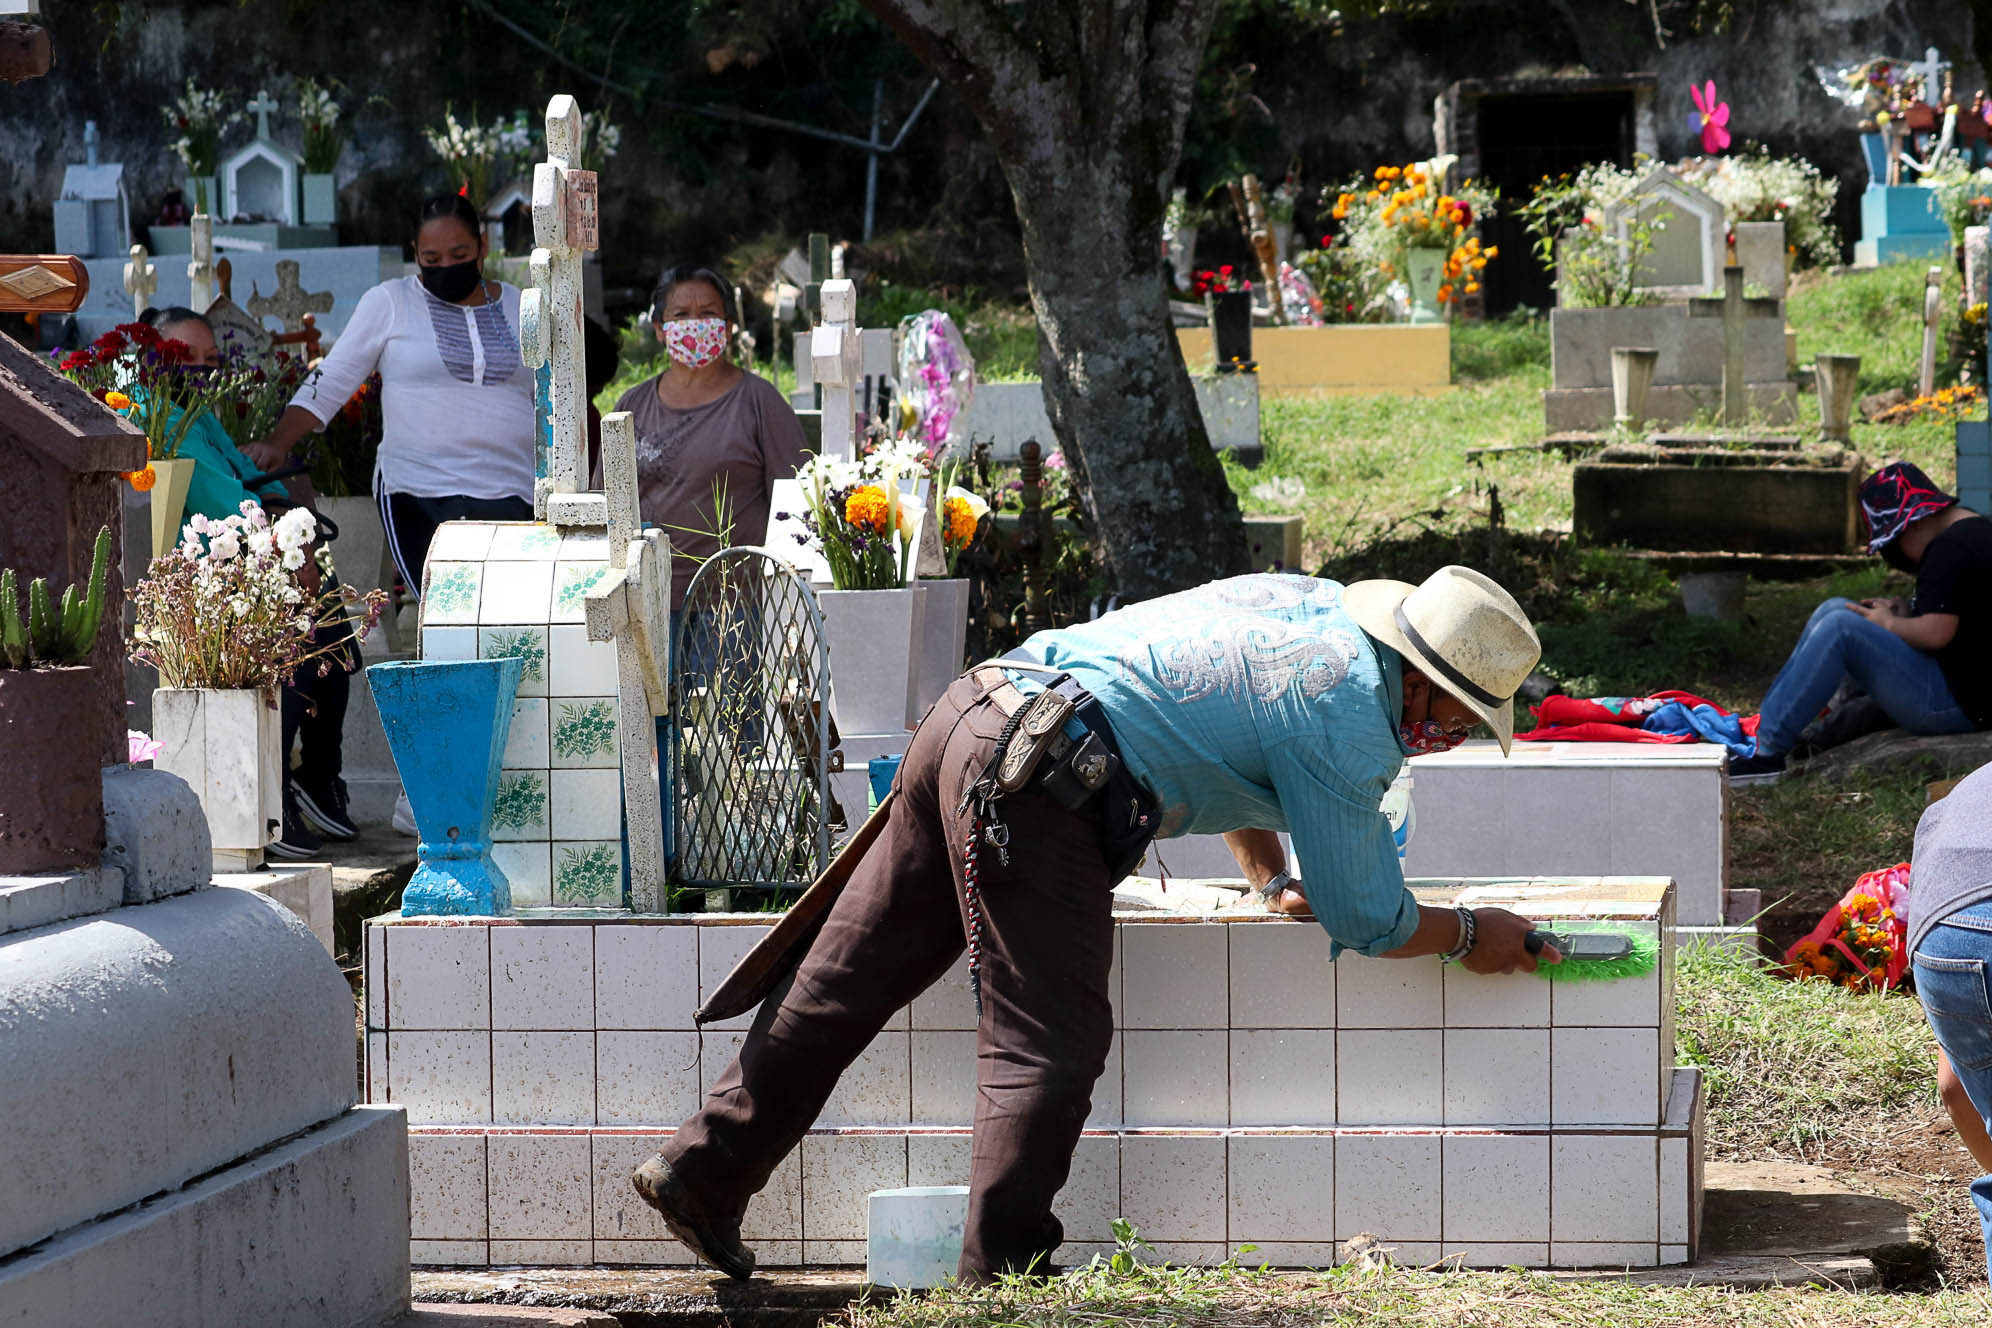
x=497, y=589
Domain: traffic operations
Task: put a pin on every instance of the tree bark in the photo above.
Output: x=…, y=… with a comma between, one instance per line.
x=1085, y=103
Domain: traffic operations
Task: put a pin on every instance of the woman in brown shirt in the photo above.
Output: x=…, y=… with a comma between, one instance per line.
x=711, y=438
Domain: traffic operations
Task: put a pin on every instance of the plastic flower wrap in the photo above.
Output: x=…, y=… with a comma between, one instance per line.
x=936, y=375
x=1863, y=940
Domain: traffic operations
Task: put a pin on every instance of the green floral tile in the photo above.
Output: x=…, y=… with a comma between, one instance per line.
x=587, y=876
x=584, y=732
x=452, y=593
x=524, y=541
x=519, y=811
x=523, y=643
x=571, y=584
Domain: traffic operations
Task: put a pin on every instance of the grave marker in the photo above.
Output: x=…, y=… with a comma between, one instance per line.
x=833, y=353
x=1735, y=311
x=550, y=312
x=290, y=302
x=1686, y=248
x=1926, y=380
x=200, y=266
x=141, y=279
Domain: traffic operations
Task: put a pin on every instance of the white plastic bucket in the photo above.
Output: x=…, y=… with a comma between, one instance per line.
x=913, y=1235
x=1398, y=811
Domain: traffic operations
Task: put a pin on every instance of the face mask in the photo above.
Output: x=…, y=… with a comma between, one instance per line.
x=695, y=342
x=451, y=281
x=1427, y=736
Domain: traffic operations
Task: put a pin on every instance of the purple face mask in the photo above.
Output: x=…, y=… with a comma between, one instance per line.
x=1426, y=736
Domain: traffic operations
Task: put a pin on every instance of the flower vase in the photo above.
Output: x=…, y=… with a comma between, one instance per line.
x=447, y=723
x=943, y=643
x=203, y=194
x=1282, y=233
x=874, y=638
x=169, y=502
x=1424, y=271
x=321, y=198
x=227, y=743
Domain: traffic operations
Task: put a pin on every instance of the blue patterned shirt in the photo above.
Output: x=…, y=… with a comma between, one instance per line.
x=1257, y=702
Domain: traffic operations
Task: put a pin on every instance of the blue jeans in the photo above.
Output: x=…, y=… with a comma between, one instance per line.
x=1953, y=969
x=1838, y=643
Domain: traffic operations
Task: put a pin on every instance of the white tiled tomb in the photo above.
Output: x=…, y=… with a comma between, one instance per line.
x=1256, y=1093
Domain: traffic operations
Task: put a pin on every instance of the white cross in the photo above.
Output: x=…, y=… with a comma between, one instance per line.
x=1926, y=74
x=631, y=606
x=550, y=312
x=833, y=354
x=200, y=267
x=263, y=105
x=140, y=280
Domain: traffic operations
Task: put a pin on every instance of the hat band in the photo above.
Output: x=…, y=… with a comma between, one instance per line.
x=1447, y=673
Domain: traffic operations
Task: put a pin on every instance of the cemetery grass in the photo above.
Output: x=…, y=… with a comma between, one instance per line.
x=1239, y=1294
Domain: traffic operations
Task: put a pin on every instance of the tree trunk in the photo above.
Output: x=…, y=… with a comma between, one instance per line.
x=1084, y=102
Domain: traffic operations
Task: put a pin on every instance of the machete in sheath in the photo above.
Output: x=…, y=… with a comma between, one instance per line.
x=764, y=966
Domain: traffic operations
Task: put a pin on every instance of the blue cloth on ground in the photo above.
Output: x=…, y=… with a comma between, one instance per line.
x=1705, y=722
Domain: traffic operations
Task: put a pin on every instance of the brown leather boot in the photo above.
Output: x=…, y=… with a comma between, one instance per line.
x=713, y=1239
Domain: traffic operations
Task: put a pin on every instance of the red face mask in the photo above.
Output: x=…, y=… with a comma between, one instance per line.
x=1427, y=736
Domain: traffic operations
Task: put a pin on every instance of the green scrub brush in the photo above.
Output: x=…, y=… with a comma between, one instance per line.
x=1595, y=952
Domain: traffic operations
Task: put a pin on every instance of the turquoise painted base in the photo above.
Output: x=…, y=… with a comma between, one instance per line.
x=1900, y=223
x=446, y=723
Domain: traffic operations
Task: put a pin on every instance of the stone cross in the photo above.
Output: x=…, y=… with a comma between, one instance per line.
x=290, y=302
x=1927, y=72
x=263, y=105
x=89, y=142
x=564, y=226
x=1735, y=312
x=1926, y=379
x=200, y=267
x=631, y=607
x=141, y=279
x=833, y=355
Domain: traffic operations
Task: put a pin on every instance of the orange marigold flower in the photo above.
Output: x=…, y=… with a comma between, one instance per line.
x=1472, y=286
x=142, y=480
x=866, y=509
x=117, y=401
x=961, y=523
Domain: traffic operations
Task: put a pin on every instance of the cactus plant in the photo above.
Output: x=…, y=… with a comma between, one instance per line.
x=54, y=634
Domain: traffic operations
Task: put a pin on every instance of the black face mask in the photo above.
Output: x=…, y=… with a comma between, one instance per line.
x=451, y=281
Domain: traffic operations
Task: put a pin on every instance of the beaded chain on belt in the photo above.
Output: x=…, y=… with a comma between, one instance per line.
x=985, y=827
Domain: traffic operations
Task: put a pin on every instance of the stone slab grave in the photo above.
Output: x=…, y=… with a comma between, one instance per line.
x=1006, y=414
x=1720, y=500
x=581, y=594
x=1623, y=809
x=1687, y=380
x=1506, y=1120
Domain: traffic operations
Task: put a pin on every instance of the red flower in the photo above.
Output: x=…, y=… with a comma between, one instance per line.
x=1327, y=241
x=174, y=352
x=77, y=359
x=1463, y=214
x=241, y=409
x=109, y=344
x=141, y=334
x=1226, y=269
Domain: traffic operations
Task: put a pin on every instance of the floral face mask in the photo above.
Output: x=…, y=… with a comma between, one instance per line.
x=695, y=342
x=1427, y=736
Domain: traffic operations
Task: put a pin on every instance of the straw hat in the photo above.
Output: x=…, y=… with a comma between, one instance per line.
x=1461, y=630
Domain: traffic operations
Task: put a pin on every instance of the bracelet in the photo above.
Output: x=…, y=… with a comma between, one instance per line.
x=1466, y=936
x=1275, y=883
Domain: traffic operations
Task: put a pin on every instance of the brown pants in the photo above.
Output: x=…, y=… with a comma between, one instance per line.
x=1047, y=1020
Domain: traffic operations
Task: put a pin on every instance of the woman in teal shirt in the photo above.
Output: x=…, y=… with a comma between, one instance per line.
x=314, y=705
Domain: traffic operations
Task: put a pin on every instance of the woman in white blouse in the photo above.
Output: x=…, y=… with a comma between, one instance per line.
x=456, y=399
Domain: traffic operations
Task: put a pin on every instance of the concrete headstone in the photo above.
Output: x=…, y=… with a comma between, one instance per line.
x=1686, y=229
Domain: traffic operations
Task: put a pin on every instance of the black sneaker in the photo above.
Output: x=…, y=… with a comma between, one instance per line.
x=1747, y=770
x=296, y=842
x=322, y=804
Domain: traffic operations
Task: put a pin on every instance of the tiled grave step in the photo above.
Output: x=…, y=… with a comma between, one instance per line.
x=1604, y=1198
